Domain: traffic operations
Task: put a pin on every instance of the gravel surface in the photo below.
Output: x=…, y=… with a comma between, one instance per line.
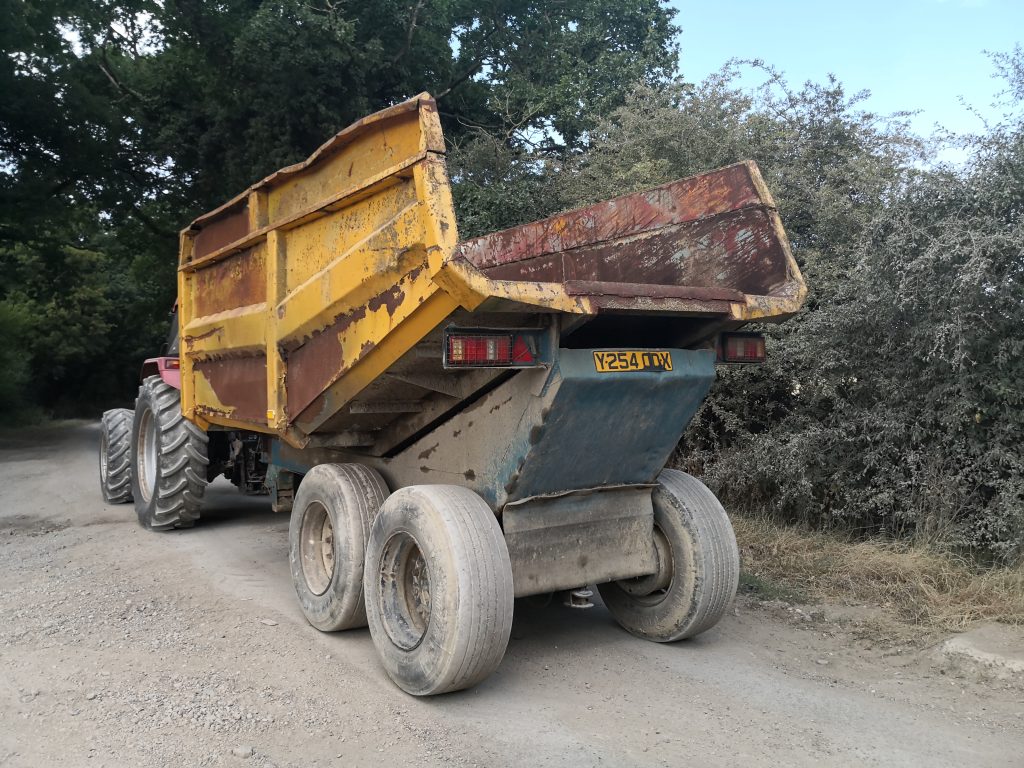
x=121, y=647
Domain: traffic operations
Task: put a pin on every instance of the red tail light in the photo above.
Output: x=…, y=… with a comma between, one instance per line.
x=741, y=348
x=479, y=349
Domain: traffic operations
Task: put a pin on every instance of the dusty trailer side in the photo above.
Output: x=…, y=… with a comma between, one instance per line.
x=456, y=423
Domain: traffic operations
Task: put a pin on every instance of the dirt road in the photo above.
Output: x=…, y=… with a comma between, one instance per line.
x=120, y=647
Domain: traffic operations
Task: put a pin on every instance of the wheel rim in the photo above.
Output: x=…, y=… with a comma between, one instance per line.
x=404, y=595
x=148, y=455
x=103, y=455
x=316, y=548
x=652, y=589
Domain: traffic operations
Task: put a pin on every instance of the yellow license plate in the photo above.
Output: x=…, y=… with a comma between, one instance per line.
x=633, y=360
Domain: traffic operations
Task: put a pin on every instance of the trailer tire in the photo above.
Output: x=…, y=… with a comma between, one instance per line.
x=169, y=459
x=116, y=455
x=699, y=566
x=452, y=634
x=330, y=524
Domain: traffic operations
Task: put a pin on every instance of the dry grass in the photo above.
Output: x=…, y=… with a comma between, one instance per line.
x=916, y=585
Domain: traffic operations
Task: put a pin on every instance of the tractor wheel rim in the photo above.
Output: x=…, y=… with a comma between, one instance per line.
x=148, y=455
x=104, y=446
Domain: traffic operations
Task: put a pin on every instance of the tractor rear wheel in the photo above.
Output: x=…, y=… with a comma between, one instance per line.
x=169, y=459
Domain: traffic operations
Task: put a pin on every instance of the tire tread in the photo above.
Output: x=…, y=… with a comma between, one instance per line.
x=183, y=457
x=479, y=609
x=703, y=521
x=117, y=484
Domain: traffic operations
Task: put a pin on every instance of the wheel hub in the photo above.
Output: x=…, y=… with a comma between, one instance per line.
x=327, y=545
x=656, y=583
x=405, y=594
x=418, y=590
x=316, y=548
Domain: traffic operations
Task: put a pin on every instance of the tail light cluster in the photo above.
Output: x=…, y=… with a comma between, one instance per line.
x=741, y=348
x=491, y=349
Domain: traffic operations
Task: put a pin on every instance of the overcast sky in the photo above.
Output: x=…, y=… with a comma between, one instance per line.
x=911, y=54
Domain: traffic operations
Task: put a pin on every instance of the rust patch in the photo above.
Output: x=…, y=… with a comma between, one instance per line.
x=648, y=290
x=340, y=324
x=313, y=366
x=208, y=334
x=391, y=298
x=214, y=234
x=238, y=382
x=318, y=362
x=716, y=258
x=698, y=197
x=237, y=281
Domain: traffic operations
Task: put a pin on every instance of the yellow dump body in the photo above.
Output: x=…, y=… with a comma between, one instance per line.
x=310, y=304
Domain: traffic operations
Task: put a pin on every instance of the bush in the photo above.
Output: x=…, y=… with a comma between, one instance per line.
x=892, y=403
x=906, y=374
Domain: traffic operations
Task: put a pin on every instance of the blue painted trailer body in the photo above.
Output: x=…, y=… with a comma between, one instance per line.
x=604, y=429
x=548, y=431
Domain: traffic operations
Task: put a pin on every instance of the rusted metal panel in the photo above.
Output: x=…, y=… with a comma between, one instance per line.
x=698, y=197
x=233, y=283
x=239, y=386
x=317, y=362
x=669, y=237
x=233, y=225
x=735, y=251
x=649, y=290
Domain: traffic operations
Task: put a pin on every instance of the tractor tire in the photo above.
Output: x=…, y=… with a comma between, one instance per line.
x=330, y=524
x=169, y=459
x=116, y=455
x=438, y=584
x=699, y=566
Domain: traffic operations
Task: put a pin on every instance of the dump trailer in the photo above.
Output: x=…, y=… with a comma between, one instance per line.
x=454, y=424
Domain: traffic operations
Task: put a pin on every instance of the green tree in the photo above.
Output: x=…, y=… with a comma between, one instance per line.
x=123, y=119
